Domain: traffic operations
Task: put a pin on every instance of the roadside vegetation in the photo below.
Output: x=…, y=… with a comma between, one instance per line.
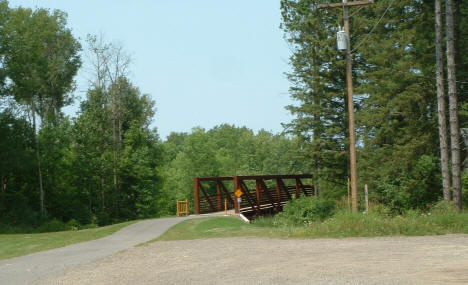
x=12, y=245
x=107, y=164
x=318, y=218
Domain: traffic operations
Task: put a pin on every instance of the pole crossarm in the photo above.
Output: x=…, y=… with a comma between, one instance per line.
x=348, y=4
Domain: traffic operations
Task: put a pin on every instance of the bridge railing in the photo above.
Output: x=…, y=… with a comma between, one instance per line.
x=259, y=192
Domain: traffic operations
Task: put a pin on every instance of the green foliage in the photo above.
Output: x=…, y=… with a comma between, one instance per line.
x=107, y=165
x=318, y=87
x=224, y=150
x=53, y=226
x=117, y=153
x=395, y=100
x=305, y=210
x=17, y=174
x=465, y=188
x=41, y=58
x=100, y=167
x=412, y=189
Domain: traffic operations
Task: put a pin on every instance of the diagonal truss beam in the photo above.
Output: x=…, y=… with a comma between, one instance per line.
x=226, y=192
x=282, y=186
x=207, y=198
x=265, y=190
x=249, y=197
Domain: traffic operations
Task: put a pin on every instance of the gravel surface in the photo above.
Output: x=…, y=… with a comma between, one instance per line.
x=29, y=268
x=389, y=260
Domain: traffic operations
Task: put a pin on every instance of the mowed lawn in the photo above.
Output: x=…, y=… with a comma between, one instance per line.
x=217, y=228
x=12, y=245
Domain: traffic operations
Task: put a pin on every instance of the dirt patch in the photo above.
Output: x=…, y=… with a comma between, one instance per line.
x=390, y=260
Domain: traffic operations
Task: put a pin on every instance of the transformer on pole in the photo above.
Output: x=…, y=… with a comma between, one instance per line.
x=341, y=40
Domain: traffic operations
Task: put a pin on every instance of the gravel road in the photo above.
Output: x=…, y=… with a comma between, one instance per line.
x=388, y=260
x=29, y=268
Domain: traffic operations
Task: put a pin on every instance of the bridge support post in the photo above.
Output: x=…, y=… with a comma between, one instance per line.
x=236, y=186
x=257, y=192
x=298, y=193
x=196, y=196
x=218, y=196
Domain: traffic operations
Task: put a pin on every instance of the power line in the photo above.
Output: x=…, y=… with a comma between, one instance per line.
x=373, y=28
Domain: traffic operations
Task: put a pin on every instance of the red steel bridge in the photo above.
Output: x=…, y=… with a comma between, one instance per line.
x=260, y=194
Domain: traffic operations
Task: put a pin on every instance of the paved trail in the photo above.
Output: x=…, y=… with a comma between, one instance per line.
x=30, y=268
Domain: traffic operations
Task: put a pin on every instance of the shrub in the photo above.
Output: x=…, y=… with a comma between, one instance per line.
x=306, y=210
x=73, y=225
x=443, y=208
x=52, y=226
x=465, y=189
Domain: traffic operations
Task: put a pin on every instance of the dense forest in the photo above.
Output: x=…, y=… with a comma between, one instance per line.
x=106, y=164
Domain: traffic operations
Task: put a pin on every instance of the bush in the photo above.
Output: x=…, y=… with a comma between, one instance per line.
x=306, y=210
x=73, y=225
x=443, y=208
x=465, y=189
x=53, y=226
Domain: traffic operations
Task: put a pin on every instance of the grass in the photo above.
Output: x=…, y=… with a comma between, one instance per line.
x=342, y=224
x=217, y=227
x=12, y=245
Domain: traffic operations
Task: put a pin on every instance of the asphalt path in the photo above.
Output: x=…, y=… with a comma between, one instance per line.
x=30, y=268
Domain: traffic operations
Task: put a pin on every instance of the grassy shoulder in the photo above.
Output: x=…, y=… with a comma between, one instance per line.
x=12, y=245
x=341, y=224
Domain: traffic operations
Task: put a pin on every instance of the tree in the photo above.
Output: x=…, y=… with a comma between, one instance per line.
x=16, y=169
x=453, y=104
x=224, y=150
x=41, y=58
x=136, y=161
x=110, y=64
x=318, y=85
x=442, y=116
x=394, y=100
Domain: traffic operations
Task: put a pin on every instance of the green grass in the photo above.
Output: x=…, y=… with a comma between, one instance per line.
x=218, y=227
x=342, y=224
x=12, y=245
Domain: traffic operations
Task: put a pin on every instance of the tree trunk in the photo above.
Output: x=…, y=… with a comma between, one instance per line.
x=316, y=136
x=38, y=158
x=114, y=140
x=103, y=202
x=441, y=107
x=453, y=105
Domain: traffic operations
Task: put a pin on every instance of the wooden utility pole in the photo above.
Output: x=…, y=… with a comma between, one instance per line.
x=349, y=80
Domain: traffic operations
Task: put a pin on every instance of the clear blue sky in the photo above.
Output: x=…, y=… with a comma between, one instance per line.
x=204, y=62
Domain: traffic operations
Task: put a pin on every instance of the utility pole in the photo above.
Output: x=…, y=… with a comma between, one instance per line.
x=349, y=80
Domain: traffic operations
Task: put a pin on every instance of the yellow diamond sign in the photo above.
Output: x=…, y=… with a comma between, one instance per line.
x=238, y=193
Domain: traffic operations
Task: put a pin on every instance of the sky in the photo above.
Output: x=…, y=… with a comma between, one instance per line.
x=204, y=62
